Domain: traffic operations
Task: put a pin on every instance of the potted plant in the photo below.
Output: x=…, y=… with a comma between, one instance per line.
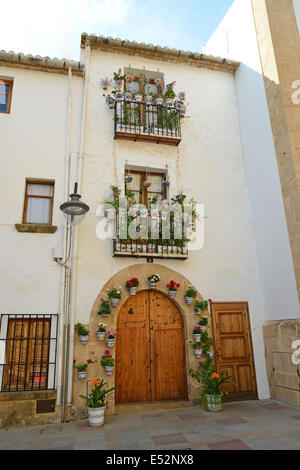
x=132, y=285
x=172, y=287
x=190, y=295
x=82, y=369
x=114, y=295
x=147, y=183
x=198, y=350
x=153, y=280
x=213, y=382
x=128, y=97
x=200, y=305
x=111, y=338
x=104, y=309
x=95, y=402
x=108, y=362
x=159, y=100
x=138, y=98
x=82, y=333
x=203, y=322
x=101, y=332
x=110, y=101
x=118, y=78
x=197, y=333
x=105, y=83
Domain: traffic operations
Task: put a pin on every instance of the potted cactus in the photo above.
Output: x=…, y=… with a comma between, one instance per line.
x=82, y=333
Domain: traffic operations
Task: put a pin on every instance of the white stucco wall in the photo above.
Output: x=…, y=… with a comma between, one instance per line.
x=208, y=165
x=235, y=38
x=33, y=143
x=296, y=4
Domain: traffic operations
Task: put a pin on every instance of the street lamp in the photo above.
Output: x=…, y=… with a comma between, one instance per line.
x=74, y=207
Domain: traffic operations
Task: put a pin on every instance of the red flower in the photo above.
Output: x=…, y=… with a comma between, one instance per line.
x=129, y=283
x=168, y=286
x=178, y=285
x=134, y=279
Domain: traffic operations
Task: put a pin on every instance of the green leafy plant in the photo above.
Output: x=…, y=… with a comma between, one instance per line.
x=83, y=367
x=101, y=327
x=114, y=294
x=104, y=308
x=80, y=329
x=203, y=321
x=200, y=305
x=98, y=395
x=133, y=282
x=107, y=359
x=211, y=380
x=191, y=292
x=169, y=93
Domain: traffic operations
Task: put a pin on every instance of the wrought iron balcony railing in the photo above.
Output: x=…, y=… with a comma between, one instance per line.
x=147, y=123
x=148, y=249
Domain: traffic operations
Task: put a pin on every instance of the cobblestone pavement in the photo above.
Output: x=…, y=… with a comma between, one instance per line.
x=258, y=425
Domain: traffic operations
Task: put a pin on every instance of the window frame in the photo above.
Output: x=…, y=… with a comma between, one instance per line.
x=146, y=193
x=10, y=83
x=26, y=196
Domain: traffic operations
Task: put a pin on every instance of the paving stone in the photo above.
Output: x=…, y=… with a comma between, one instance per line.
x=166, y=439
x=264, y=442
x=235, y=444
x=230, y=421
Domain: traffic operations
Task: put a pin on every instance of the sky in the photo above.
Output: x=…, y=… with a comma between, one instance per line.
x=53, y=28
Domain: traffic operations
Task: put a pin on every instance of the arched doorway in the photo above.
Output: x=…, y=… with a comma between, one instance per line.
x=150, y=351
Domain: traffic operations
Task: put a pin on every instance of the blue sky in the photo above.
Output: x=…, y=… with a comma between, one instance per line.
x=53, y=28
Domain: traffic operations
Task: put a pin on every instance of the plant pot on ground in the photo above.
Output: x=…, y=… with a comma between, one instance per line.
x=95, y=402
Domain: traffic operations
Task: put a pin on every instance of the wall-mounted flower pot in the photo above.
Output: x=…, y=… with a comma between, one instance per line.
x=147, y=184
x=96, y=416
x=169, y=103
x=172, y=293
x=132, y=291
x=101, y=335
x=110, y=102
x=109, y=370
x=81, y=375
x=114, y=301
x=105, y=83
x=152, y=285
x=148, y=100
x=198, y=353
x=110, y=342
x=128, y=179
x=159, y=101
x=119, y=96
x=197, y=337
x=127, y=97
x=211, y=354
x=84, y=339
x=129, y=78
x=189, y=300
x=159, y=82
x=182, y=95
x=138, y=98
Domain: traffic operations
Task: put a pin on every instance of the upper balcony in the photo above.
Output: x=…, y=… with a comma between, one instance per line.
x=142, y=122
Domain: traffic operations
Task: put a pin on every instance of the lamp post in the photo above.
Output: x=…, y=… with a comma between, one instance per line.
x=72, y=209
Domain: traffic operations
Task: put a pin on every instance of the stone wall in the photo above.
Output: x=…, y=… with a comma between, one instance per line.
x=283, y=374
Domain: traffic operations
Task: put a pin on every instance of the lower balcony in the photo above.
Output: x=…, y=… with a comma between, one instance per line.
x=169, y=249
x=141, y=123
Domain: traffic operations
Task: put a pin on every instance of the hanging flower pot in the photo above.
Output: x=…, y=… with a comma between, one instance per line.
x=148, y=100
x=132, y=285
x=84, y=339
x=81, y=375
x=172, y=293
x=111, y=339
x=166, y=183
x=172, y=289
x=82, y=333
x=159, y=101
x=128, y=179
x=109, y=370
x=189, y=300
x=144, y=81
x=147, y=184
x=119, y=96
x=118, y=83
x=128, y=97
x=178, y=107
x=110, y=102
x=211, y=354
x=138, y=98
x=104, y=309
x=153, y=280
x=114, y=295
x=129, y=78
x=132, y=290
x=114, y=301
x=197, y=337
x=198, y=352
x=169, y=103
x=182, y=95
x=190, y=295
x=105, y=83
x=100, y=335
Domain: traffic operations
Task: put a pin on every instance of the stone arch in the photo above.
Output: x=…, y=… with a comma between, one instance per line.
x=142, y=272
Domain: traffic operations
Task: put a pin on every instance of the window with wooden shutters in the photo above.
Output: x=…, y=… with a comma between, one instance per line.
x=38, y=205
x=142, y=194
x=6, y=87
x=27, y=354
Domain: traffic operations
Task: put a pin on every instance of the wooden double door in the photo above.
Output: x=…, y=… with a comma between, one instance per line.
x=150, y=351
x=233, y=348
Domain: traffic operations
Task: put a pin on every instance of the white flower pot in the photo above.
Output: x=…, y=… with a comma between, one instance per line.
x=211, y=354
x=109, y=370
x=204, y=328
x=132, y=290
x=96, y=416
x=159, y=249
x=114, y=301
x=152, y=285
x=150, y=248
x=101, y=335
x=110, y=342
x=105, y=315
x=214, y=403
x=172, y=294
x=198, y=311
x=197, y=337
x=84, y=339
x=198, y=352
x=81, y=375
x=189, y=300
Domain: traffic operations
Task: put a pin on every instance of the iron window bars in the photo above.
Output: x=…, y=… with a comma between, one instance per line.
x=28, y=351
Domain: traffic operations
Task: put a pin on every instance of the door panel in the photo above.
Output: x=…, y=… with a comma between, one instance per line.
x=233, y=347
x=150, y=354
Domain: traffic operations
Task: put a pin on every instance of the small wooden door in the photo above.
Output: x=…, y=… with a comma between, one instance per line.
x=150, y=351
x=233, y=348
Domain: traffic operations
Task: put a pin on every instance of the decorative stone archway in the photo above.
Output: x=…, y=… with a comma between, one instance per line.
x=81, y=353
